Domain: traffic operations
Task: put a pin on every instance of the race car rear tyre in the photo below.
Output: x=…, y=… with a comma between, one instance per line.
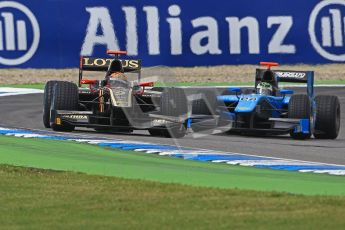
x=327, y=120
x=48, y=92
x=65, y=97
x=206, y=105
x=300, y=108
x=174, y=104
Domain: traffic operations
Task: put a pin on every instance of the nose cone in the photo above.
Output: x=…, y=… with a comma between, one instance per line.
x=247, y=104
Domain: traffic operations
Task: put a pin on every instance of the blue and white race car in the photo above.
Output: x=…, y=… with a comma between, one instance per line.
x=267, y=109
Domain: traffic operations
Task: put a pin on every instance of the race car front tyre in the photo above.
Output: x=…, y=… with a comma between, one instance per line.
x=174, y=104
x=65, y=97
x=300, y=108
x=48, y=92
x=327, y=120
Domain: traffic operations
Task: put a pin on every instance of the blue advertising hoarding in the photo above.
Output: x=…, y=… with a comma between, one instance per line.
x=54, y=33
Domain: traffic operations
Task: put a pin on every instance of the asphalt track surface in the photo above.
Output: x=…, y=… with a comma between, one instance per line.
x=25, y=111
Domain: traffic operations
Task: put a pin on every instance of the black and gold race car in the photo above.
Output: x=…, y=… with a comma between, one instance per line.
x=118, y=102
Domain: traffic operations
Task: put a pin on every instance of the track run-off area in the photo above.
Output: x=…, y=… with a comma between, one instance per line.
x=23, y=109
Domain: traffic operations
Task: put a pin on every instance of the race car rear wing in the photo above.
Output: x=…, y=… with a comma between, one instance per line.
x=102, y=64
x=291, y=76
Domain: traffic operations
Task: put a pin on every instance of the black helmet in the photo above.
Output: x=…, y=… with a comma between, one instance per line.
x=115, y=66
x=268, y=76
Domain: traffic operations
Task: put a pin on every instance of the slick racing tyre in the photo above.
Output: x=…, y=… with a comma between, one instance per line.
x=327, y=120
x=300, y=108
x=47, y=96
x=65, y=97
x=174, y=104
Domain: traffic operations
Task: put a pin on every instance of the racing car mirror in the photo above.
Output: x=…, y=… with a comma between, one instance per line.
x=286, y=91
x=236, y=90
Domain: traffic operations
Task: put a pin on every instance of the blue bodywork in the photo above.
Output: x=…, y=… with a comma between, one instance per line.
x=248, y=102
x=267, y=113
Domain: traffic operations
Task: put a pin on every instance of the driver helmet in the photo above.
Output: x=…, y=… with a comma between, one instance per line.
x=116, y=70
x=264, y=88
x=115, y=66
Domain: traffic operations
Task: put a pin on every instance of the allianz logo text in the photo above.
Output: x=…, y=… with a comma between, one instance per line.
x=10, y=33
x=237, y=29
x=337, y=37
x=17, y=22
x=327, y=29
x=244, y=34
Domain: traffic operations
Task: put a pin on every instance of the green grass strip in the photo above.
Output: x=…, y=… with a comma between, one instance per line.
x=45, y=199
x=26, y=86
x=70, y=156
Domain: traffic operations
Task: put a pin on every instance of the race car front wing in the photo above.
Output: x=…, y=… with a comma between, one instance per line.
x=278, y=125
x=84, y=118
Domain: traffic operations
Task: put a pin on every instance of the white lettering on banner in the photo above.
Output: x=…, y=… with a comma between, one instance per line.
x=326, y=32
x=22, y=40
x=99, y=17
x=338, y=33
x=175, y=30
x=13, y=33
x=152, y=19
x=211, y=34
x=235, y=26
x=131, y=30
x=291, y=75
x=205, y=39
x=9, y=25
x=332, y=29
x=276, y=45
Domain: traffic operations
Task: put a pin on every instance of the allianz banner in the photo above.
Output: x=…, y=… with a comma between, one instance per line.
x=54, y=33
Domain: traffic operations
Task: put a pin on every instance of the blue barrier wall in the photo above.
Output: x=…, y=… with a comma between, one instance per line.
x=54, y=33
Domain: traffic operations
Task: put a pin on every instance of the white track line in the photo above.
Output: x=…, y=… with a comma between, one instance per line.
x=7, y=91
